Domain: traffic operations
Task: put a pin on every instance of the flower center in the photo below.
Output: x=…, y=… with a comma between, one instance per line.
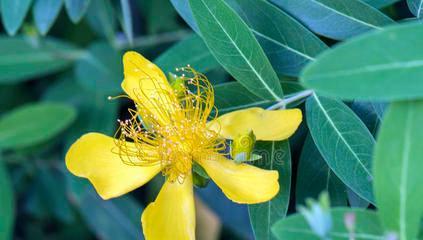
x=169, y=128
x=181, y=143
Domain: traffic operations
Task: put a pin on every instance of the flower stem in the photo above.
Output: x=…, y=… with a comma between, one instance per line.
x=295, y=97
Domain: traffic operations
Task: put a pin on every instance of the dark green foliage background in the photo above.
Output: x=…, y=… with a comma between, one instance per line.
x=349, y=60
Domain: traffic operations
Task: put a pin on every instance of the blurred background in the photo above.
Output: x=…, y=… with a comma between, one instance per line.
x=59, y=61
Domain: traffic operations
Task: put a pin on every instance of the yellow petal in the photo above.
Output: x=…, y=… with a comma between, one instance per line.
x=94, y=156
x=147, y=85
x=242, y=183
x=267, y=125
x=172, y=215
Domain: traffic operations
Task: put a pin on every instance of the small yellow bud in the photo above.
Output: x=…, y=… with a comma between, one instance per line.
x=242, y=147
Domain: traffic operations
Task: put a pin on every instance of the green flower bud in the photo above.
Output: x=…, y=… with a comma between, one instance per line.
x=242, y=147
x=177, y=83
x=200, y=177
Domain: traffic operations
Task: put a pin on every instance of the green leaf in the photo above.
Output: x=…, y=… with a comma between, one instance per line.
x=275, y=156
x=339, y=19
x=96, y=115
x=114, y=219
x=102, y=19
x=7, y=204
x=197, y=168
x=235, y=48
x=100, y=69
x=380, y=3
x=168, y=16
x=344, y=142
x=21, y=59
x=47, y=195
x=370, y=113
x=367, y=226
x=288, y=45
x=76, y=9
x=397, y=168
x=184, y=10
x=241, y=98
x=416, y=7
x=95, y=112
x=357, y=69
x=127, y=20
x=33, y=124
x=356, y=201
x=15, y=14
x=314, y=176
x=191, y=50
x=45, y=13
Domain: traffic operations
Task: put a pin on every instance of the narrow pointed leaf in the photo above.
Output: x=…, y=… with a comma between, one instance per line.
x=45, y=13
x=397, y=168
x=16, y=11
x=275, y=156
x=344, y=142
x=235, y=48
x=358, y=69
x=127, y=20
x=76, y=9
x=287, y=44
x=339, y=19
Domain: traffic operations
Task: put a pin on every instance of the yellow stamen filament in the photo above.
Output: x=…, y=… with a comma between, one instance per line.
x=173, y=123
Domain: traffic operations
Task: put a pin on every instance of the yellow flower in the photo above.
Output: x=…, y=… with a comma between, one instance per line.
x=166, y=133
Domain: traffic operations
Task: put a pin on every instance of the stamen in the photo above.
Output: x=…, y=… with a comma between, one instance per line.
x=169, y=129
x=116, y=97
